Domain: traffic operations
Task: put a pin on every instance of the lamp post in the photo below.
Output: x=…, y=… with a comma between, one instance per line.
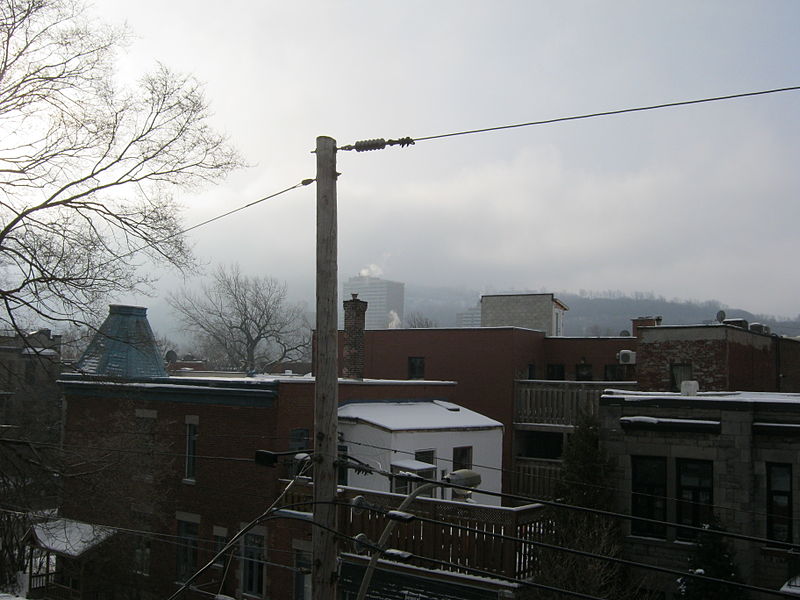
x=462, y=477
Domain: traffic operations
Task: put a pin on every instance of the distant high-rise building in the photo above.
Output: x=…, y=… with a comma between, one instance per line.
x=386, y=300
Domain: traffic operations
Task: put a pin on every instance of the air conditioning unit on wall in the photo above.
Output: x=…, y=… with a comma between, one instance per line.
x=626, y=357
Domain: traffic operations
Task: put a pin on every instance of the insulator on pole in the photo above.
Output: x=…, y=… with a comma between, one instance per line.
x=367, y=145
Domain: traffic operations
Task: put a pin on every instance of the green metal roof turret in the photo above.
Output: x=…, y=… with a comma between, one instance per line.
x=124, y=347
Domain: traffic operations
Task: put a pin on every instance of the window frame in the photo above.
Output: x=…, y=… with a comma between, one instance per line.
x=253, y=564
x=694, y=511
x=186, y=557
x=190, y=463
x=459, y=463
x=648, y=496
x=774, y=516
x=416, y=367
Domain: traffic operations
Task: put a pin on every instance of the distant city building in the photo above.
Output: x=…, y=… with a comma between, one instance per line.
x=469, y=318
x=386, y=300
x=542, y=312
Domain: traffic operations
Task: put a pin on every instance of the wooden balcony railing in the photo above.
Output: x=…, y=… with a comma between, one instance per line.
x=559, y=402
x=439, y=533
x=536, y=477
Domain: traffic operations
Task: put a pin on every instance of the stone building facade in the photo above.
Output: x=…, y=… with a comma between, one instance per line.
x=543, y=312
x=682, y=459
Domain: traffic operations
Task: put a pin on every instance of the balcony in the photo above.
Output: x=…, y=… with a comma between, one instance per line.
x=558, y=403
x=444, y=540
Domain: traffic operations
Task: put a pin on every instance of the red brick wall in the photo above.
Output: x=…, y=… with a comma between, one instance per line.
x=597, y=352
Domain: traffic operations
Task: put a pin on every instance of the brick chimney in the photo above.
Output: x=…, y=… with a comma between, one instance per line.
x=354, y=323
x=644, y=322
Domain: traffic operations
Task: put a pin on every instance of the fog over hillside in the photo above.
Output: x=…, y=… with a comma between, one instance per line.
x=593, y=313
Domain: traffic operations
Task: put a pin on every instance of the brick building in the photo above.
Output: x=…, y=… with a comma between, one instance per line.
x=680, y=459
x=170, y=472
x=718, y=356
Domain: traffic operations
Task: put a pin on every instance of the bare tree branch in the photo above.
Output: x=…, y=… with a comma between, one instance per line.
x=247, y=320
x=86, y=170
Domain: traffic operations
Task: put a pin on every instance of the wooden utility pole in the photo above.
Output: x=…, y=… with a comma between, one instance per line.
x=324, y=568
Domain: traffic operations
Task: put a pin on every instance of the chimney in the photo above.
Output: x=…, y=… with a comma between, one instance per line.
x=644, y=322
x=354, y=323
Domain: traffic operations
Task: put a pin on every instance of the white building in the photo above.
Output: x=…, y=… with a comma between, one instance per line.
x=386, y=299
x=428, y=437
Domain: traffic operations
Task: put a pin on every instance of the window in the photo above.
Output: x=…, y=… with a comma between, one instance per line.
x=141, y=556
x=405, y=486
x=220, y=539
x=779, y=502
x=298, y=440
x=191, y=451
x=648, y=494
x=462, y=458
x=555, y=372
x=583, y=372
x=531, y=371
x=253, y=564
x=694, y=495
x=302, y=575
x=187, y=550
x=679, y=372
x=614, y=372
x=416, y=367
x=540, y=444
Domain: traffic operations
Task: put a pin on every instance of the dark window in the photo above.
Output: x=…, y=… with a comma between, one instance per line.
x=679, y=372
x=648, y=494
x=416, y=367
x=531, y=371
x=694, y=492
x=779, y=502
x=540, y=444
x=141, y=557
x=191, y=451
x=302, y=575
x=219, y=544
x=462, y=458
x=614, y=372
x=253, y=564
x=30, y=371
x=426, y=456
x=187, y=550
x=583, y=372
x=555, y=372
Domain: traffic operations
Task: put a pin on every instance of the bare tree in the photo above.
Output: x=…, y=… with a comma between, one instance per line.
x=86, y=168
x=417, y=320
x=248, y=320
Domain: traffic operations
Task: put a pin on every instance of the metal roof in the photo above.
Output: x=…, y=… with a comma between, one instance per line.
x=124, y=347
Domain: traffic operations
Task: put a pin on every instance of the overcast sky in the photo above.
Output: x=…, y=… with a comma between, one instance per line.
x=698, y=202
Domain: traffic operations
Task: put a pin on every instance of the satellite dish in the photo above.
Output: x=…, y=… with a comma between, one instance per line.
x=721, y=316
x=624, y=333
x=171, y=356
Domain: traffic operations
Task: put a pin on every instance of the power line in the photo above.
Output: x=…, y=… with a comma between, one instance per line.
x=620, y=561
x=727, y=509
x=379, y=144
x=302, y=183
x=596, y=511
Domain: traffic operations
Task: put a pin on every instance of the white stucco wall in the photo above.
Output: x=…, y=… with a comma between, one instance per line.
x=374, y=444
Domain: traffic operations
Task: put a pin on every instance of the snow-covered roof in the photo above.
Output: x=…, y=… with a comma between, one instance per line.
x=743, y=397
x=409, y=464
x=70, y=538
x=415, y=415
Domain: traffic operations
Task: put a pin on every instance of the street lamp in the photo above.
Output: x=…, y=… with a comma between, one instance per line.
x=459, y=478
